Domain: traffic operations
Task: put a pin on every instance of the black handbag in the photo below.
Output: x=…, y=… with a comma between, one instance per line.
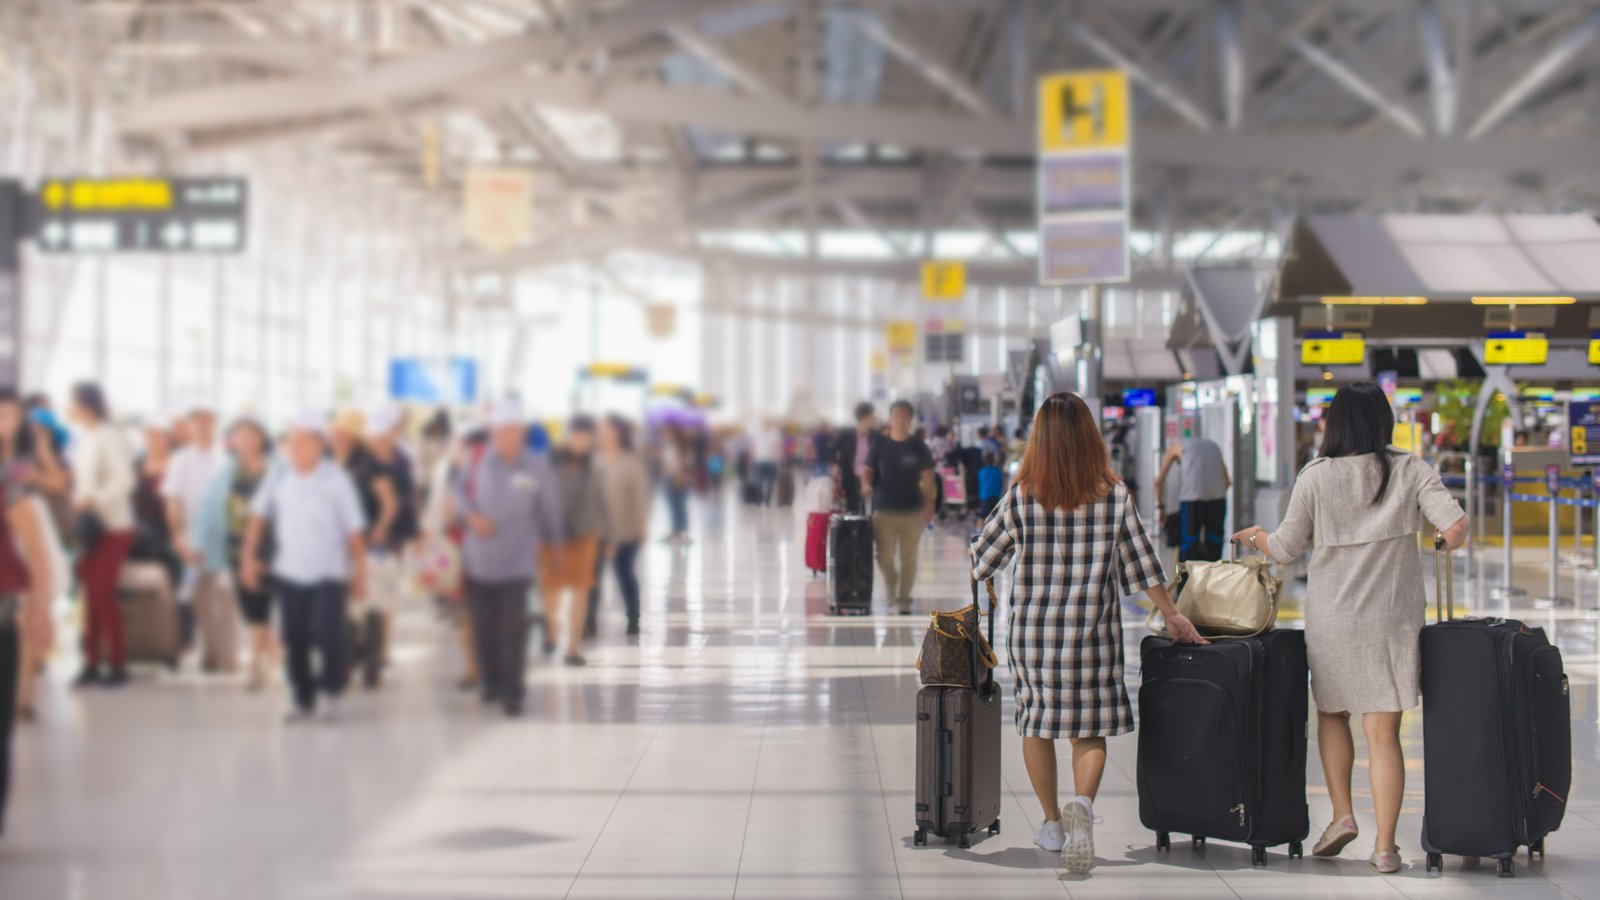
x=88, y=528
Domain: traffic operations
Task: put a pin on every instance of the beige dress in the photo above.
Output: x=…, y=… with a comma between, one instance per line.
x=1365, y=600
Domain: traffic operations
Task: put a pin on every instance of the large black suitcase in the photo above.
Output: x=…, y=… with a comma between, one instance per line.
x=958, y=758
x=850, y=565
x=1222, y=741
x=1496, y=735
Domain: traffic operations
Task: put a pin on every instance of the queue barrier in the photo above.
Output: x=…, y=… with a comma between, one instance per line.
x=1553, y=501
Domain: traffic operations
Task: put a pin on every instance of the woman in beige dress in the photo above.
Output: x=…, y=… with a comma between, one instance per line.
x=1360, y=506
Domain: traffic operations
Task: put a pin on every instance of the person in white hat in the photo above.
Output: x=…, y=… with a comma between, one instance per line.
x=509, y=499
x=188, y=477
x=319, y=564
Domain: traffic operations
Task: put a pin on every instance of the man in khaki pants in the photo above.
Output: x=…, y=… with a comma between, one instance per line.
x=899, y=479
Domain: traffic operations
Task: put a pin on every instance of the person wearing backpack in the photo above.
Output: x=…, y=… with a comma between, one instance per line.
x=510, y=501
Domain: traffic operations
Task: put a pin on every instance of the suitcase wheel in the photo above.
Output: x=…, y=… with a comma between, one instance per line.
x=965, y=840
x=1508, y=869
x=1199, y=843
x=920, y=839
x=1163, y=841
x=1258, y=855
x=1295, y=851
x=994, y=828
x=1435, y=862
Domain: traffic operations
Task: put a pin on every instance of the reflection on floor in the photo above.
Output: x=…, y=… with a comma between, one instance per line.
x=747, y=745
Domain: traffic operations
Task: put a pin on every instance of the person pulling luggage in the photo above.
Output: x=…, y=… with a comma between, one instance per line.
x=1075, y=530
x=1357, y=505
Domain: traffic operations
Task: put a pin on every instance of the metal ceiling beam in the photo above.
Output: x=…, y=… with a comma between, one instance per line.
x=1355, y=84
x=1441, y=79
x=1145, y=73
x=411, y=77
x=917, y=55
x=1536, y=75
x=1230, y=63
x=719, y=58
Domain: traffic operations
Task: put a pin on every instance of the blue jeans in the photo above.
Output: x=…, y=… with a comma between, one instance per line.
x=678, y=508
x=766, y=476
x=313, y=616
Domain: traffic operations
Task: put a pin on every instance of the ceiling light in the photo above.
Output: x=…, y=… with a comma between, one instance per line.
x=1374, y=301
x=1523, y=301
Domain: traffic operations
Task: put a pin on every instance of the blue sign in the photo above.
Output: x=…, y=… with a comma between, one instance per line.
x=1508, y=475
x=1133, y=398
x=1552, y=479
x=451, y=382
x=1583, y=432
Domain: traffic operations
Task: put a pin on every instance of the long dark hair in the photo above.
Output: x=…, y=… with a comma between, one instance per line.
x=1360, y=421
x=22, y=441
x=1066, y=464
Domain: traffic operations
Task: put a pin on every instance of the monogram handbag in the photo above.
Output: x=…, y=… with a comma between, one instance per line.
x=1231, y=598
x=955, y=652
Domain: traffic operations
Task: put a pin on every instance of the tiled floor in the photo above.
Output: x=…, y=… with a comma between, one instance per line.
x=748, y=746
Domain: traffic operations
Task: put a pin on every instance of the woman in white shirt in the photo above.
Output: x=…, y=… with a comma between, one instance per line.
x=102, y=497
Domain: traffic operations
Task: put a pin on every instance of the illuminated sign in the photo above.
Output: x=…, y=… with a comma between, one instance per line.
x=1333, y=348
x=944, y=280
x=1084, y=177
x=448, y=381
x=1516, y=348
x=1407, y=396
x=1583, y=426
x=901, y=336
x=614, y=370
x=1594, y=349
x=141, y=215
x=1320, y=396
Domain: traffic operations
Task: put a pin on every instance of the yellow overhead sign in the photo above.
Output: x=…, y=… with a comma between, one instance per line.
x=1594, y=351
x=107, y=195
x=1333, y=349
x=1083, y=111
x=944, y=280
x=901, y=336
x=1514, y=348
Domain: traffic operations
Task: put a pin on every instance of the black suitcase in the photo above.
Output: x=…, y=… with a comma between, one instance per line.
x=958, y=758
x=1496, y=735
x=850, y=565
x=1222, y=741
x=750, y=492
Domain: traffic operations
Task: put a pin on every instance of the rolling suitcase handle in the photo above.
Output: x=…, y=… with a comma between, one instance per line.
x=1444, y=581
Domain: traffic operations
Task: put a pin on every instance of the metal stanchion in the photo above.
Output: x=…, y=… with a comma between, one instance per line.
x=1552, y=486
x=1506, y=591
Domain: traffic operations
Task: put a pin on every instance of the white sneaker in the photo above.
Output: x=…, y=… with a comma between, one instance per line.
x=328, y=709
x=1077, y=855
x=1051, y=836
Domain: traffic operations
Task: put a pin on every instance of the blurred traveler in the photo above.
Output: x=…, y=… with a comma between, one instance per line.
x=383, y=475
x=571, y=563
x=991, y=485
x=103, y=500
x=626, y=486
x=1359, y=506
x=675, y=481
x=898, y=478
x=27, y=459
x=850, y=450
x=1202, y=498
x=512, y=506
x=344, y=438
x=766, y=455
x=318, y=563
x=24, y=583
x=152, y=540
x=1082, y=548
x=439, y=564
x=821, y=450
x=219, y=529
x=941, y=446
x=207, y=588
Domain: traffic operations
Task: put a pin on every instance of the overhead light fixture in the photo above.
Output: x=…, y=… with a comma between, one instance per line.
x=1374, y=301
x=1326, y=375
x=1523, y=301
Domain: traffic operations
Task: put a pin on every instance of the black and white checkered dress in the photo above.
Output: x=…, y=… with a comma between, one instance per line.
x=1065, y=635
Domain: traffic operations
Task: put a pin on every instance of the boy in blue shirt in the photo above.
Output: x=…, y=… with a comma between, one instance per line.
x=991, y=484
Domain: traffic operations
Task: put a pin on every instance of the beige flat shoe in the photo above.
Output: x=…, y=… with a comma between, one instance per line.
x=1387, y=862
x=1335, y=837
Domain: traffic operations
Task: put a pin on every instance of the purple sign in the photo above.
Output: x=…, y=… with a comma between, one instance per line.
x=1552, y=479
x=1508, y=475
x=1084, y=249
x=1083, y=183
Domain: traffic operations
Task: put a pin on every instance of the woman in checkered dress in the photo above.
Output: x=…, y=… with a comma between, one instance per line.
x=1080, y=547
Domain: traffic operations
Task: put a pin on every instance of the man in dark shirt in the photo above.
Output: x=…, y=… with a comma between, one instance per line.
x=850, y=449
x=898, y=476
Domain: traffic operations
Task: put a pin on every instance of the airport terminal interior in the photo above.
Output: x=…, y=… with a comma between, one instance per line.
x=464, y=449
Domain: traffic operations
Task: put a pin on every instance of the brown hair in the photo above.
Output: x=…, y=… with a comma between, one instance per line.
x=1066, y=464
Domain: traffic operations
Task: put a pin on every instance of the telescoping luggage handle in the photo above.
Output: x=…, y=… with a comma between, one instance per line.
x=1444, y=581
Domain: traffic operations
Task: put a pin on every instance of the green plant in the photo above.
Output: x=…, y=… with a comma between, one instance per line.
x=1458, y=399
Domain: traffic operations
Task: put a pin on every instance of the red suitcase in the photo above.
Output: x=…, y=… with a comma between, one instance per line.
x=817, y=542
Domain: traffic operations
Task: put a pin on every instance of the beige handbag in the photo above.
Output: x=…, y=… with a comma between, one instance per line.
x=1234, y=598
